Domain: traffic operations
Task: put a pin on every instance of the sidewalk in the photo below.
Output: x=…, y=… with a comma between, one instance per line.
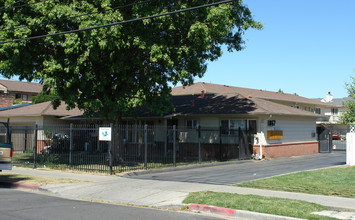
x=154, y=193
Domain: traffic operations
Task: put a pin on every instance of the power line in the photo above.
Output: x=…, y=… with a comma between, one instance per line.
x=23, y=5
x=120, y=22
x=76, y=16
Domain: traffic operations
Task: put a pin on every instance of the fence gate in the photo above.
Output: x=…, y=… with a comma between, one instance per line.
x=339, y=139
x=325, y=141
x=245, y=144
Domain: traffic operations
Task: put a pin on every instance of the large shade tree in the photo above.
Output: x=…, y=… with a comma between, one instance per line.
x=112, y=70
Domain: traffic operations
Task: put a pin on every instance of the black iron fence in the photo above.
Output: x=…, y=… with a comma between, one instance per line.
x=332, y=139
x=132, y=147
x=338, y=137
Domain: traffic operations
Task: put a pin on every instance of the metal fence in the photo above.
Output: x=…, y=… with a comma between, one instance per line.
x=134, y=147
x=332, y=139
x=338, y=142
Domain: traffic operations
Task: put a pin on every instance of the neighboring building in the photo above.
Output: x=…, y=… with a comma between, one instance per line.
x=6, y=100
x=334, y=111
x=20, y=90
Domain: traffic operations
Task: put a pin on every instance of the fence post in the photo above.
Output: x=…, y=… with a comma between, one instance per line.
x=35, y=148
x=220, y=143
x=199, y=144
x=110, y=149
x=145, y=146
x=330, y=142
x=71, y=146
x=174, y=145
x=25, y=144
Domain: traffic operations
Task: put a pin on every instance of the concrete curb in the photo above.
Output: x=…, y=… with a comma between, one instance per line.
x=239, y=214
x=188, y=167
x=19, y=185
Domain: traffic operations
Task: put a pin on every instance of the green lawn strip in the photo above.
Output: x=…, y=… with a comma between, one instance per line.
x=254, y=203
x=92, y=163
x=35, y=180
x=331, y=182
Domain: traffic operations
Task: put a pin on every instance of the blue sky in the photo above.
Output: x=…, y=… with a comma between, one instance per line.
x=306, y=47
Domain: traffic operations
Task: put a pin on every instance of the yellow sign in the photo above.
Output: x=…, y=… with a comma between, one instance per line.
x=272, y=135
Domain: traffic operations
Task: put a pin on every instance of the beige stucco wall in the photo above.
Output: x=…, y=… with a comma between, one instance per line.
x=23, y=121
x=3, y=88
x=295, y=129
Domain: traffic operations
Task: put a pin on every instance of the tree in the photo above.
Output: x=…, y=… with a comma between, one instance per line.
x=114, y=69
x=348, y=117
x=44, y=96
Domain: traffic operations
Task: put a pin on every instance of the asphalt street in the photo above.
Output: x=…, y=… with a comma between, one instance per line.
x=249, y=170
x=18, y=205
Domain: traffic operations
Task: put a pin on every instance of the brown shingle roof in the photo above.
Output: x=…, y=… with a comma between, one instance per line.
x=210, y=88
x=41, y=109
x=227, y=104
x=16, y=86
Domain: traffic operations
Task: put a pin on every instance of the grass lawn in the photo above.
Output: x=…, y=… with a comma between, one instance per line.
x=35, y=180
x=331, y=182
x=269, y=205
x=96, y=163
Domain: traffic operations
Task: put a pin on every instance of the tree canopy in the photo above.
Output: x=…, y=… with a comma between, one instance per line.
x=112, y=70
x=348, y=117
x=44, y=96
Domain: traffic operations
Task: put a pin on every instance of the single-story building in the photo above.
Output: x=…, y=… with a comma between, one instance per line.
x=24, y=118
x=281, y=125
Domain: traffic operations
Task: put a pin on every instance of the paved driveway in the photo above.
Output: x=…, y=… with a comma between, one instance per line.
x=250, y=170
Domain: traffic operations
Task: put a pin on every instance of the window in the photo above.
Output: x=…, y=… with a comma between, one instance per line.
x=24, y=97
x=271, y=123
x=231, y=127
x=252, y=126
x=335, y=111
x=17, y=96
x=295, y=106
x=225, y=126
x=317, y=111
x=191, y=123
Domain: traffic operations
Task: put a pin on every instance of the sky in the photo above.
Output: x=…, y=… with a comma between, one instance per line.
x=307, y=47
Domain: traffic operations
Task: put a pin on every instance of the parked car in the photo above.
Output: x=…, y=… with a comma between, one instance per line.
x=336, y=137
x=339, y=137
x=6, y=152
